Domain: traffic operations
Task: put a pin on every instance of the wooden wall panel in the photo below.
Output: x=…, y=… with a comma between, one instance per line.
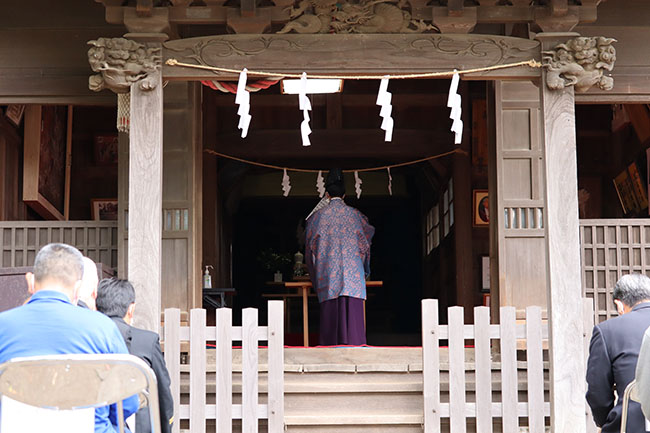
x=517, y=197
x=174, y=264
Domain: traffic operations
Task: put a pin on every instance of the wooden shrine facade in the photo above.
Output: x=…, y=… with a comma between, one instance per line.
x=535, y=215
x=534, y=234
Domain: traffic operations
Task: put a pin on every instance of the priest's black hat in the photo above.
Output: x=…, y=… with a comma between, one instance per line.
x=335, y=184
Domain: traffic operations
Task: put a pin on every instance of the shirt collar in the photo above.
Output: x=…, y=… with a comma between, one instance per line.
x=49, y=294
x=641, y=305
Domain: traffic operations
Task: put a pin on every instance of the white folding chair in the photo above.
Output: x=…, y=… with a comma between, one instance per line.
x=72, y=382
x=639, y=389
x=630, y=393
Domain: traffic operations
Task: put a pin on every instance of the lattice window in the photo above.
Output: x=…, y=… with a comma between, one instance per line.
x=432, y=229
x=611, y=249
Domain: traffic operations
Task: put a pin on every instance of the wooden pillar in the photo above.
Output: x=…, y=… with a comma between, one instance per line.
x=462, y=176
x=563, y=253
x=145, y=200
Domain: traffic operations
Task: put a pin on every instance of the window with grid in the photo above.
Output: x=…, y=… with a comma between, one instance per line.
x=432, y=229
x=448, y=208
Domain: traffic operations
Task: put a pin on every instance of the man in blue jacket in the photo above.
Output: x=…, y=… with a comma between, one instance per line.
x=613, y=354
x=50, y=323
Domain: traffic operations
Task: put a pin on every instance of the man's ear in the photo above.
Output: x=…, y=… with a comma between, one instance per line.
x=620, y=307
x=129, y=313
x=75, y=292
x=29, y=277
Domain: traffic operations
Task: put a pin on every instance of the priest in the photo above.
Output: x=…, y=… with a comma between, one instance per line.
x=337, y=250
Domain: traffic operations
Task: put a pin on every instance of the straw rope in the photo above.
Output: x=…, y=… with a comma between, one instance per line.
x=531, y=63
x=359, y=170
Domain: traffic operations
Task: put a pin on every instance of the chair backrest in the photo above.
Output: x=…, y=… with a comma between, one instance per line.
x=643, y=375
x=68, y=382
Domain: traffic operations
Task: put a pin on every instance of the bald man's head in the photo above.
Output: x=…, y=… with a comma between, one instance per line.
x=89, y=281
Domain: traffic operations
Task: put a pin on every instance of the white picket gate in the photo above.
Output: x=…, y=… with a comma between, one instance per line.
x=223, y=411
x=510, y=407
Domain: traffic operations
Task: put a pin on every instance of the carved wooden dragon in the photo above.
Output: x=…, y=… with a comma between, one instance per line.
x=364, y=16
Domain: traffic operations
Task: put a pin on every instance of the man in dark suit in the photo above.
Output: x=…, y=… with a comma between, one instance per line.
x=116, y=299
x=613, y=355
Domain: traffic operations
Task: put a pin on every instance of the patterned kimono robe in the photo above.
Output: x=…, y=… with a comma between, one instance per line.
x=337, y=247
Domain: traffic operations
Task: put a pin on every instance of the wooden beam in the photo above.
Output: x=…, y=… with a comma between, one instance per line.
x=349, y=54
x=455, y=7
x=145, y=201
x=215, y=13
x=247, y=8
x=562, y=241
x=559, y=7
x=144, y=8
x=341, y=143
x=334, y=111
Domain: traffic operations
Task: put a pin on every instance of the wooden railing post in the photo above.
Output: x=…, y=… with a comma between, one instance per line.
x=509, y=401
x=276, y=366
x=535, y=370
x=172, y=340
x=249, y=370
x=483, y=369
x=197, y=370
x=431, y=365
x=457, y=419
x=224, y=370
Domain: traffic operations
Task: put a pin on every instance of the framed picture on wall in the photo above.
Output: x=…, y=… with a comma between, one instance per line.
x=46, y=164
x=481, y=208
x=105, y=149
x=485, y=273
x=104, y=209
x=15, y=113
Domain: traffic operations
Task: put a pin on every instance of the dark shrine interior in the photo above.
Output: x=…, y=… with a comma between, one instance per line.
x=347, y=135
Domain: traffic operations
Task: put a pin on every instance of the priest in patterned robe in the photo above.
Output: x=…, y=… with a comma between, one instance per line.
x=337, y=247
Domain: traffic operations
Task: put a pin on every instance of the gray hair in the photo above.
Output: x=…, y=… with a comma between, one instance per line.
x=632, y=289
x=59, y=263
x=114, y=297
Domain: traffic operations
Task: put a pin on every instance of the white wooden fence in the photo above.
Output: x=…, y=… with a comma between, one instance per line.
x=223, y=411
x=534, y=406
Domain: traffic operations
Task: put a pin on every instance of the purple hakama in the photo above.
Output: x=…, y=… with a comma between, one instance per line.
x=341, y=322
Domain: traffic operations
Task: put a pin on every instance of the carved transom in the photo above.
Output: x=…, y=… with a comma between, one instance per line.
x=362, y=16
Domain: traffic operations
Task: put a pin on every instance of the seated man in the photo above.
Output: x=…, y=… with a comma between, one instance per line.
x=50, y=323
x=116, y=299
x=613, y=355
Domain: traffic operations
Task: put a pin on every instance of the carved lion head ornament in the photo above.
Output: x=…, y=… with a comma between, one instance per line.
x=120, y=63
x=581, y=62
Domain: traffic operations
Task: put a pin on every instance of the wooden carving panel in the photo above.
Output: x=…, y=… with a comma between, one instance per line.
x=349, y=54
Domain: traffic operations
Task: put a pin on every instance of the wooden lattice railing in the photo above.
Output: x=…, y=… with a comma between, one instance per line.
x=21, y=240
x=611, y=248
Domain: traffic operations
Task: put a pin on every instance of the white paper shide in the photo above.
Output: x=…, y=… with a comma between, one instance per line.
x=243, y=99
x=384, y=98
